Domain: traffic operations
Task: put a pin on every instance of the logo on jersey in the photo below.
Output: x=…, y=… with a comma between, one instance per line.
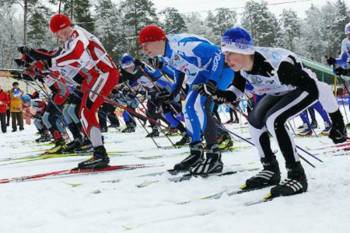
x=73, y=36
x=255, y=80
x=276, y=56
x=216, y=60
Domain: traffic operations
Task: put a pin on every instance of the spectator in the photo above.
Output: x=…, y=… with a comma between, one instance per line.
x=16, y=106
x=4, y=101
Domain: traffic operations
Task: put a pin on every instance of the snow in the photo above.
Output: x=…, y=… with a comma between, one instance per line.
x=111, y=201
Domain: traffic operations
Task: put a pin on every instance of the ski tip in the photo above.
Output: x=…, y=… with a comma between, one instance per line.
x=127, y=227
x=243, y=186
x=73, y=184
x=268, y=197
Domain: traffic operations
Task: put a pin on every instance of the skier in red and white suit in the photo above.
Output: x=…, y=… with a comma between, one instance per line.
x=84, y=53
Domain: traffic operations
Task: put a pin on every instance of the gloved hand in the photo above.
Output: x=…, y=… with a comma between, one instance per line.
x=23, y=49
x=338, y=132
x=340, y=71
x=137, y=63
x=20, y=62
x=16, y=75
x=156, y=63
x=205, y=89
x=165, y=96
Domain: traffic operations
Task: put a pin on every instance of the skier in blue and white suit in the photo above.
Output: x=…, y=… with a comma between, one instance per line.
x=197, y=57
x=341, y=65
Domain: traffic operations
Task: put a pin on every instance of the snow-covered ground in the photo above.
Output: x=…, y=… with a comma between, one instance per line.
x=111, y=201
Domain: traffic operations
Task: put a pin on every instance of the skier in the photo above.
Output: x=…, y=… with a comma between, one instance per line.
x=203, y=62
x=83, y=53
x=341, y=65
x=290, y=88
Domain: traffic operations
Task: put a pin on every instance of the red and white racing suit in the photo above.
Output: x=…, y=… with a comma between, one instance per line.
x=84, y=53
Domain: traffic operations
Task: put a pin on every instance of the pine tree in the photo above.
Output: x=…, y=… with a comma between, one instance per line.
x=80, y=9
x=136, y=15
x=196, y=25
x=109, y=28
x=312, y=45
x=39, y=34
x=174, y=22
x=261, y=23
x=290, y=25
x=11, y=28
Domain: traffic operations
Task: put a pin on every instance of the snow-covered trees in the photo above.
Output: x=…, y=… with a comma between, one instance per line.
x=174, y=22
x=261, y=23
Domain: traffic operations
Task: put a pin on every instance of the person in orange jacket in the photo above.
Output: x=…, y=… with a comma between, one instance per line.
x=16, y=106
x=4, y=101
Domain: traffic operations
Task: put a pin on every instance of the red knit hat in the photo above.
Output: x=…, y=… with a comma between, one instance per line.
x=151, y=34
x=59, y=22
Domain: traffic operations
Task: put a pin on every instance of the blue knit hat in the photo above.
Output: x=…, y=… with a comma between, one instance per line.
x=237, y=40
x=347, y=29
x=127, y=61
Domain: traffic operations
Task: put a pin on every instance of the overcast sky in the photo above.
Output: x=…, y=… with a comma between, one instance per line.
x=202, y=6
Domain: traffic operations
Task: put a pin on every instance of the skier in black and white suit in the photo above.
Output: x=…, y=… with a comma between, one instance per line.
x=290, y=89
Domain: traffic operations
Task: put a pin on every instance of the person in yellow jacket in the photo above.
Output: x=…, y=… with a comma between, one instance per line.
x=16, y=108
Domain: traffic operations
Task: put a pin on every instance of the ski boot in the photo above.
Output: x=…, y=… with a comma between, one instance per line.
x=306, y=132
x=60, y=145
x=130, y=127
x=294, y=184
x=270, y=175
x=84, y=150
x=184, y=140
x=153, y=133
x=314, y=124
x=327, y=129
x=195, y=158
x=75, y=144
x=211, y=164
x=97, y=161
x=44, y=137
x=229, y=121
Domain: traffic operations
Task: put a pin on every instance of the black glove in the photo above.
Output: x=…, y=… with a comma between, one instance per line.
x=156, y=63
x=20, y=62
x=165, y=96
x=137, y=62
x=338, y=132
x=330, y=60
x=16, y=75
x=23, y=49
x=205, y=89
x=340, y=71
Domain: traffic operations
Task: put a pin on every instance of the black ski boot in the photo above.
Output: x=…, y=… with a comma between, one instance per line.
x=130, y=127
x=97, y=161
x=211, y=164
x=184, y=140
x=84, y=150
x=195, y=158
x=153, y=133
x=270, y=175
x=294, y=184
x=44, y=136
x=73, y=145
